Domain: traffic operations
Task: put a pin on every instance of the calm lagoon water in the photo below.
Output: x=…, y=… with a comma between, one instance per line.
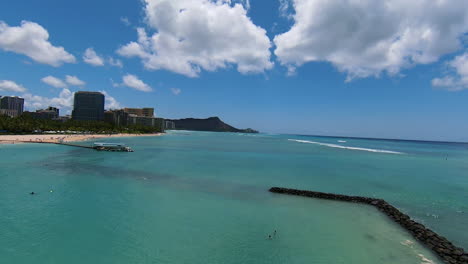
x=199, y=197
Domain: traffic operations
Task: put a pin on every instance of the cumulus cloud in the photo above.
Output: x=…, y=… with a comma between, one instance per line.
x=64, y=101
x=366, y=38
x=132, y=81
x=114, y=84
x=91, y=57
x=111, y=102
x=74, y=81
x=32, y=40
x=284, y=8
x=176, y=91
x=115, y=62
x=195, y=35
x=125, y=21
x=53, y=81
x=458, y=78
x=11, y=86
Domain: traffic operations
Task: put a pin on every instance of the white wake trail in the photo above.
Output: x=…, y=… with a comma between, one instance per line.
x=346, y=147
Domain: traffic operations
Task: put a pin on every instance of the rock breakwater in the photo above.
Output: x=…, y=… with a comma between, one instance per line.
x=448, y=252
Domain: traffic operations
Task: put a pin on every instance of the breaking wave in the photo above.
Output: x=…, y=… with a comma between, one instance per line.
x=346, y=147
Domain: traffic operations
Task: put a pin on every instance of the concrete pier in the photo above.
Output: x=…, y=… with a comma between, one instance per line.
x=57, y=143
x=448, y=252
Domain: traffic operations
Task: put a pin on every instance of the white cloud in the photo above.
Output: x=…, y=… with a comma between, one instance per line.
x=32, y=40
x=132, y=81
x=11, y=86
x=176, y=91
x=74, y=81
x=284, y=8
x=195, y=35
x=458, y=79
x=53, y=81
x=114, y=84
x=111, y=102
x=125, y=21
x=91, y=57
x=64, y=101
x=115, y=62
x=365, y=38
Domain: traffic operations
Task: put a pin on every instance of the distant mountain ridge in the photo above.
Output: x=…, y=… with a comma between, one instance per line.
x=209, y=124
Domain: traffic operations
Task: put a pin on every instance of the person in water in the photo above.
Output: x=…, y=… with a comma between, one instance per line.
x=32, y=193
x=274, y=234
x=269, y=237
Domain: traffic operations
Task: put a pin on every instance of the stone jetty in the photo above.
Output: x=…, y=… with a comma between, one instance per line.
x=448, y=252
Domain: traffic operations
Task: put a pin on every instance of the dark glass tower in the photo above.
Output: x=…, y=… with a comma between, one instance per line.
x=12, y=103
x=88, y=106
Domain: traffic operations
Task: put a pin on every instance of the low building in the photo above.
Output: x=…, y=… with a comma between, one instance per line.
x=116, y=117
x=44, y=114
x=169, y=125
x=146, y=112
x=146, y=121
x=54, y=109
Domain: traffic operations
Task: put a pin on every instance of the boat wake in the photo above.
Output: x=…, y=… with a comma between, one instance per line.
x=346, y=147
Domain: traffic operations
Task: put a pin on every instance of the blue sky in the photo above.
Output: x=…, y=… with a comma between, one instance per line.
x=309, y=67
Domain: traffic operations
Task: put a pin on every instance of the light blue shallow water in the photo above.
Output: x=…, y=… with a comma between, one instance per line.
x=194, y=197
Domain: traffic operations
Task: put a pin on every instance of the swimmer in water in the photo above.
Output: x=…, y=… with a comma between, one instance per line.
x=32, y=193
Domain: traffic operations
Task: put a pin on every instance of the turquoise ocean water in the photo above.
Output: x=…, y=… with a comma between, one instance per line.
x=199, y=197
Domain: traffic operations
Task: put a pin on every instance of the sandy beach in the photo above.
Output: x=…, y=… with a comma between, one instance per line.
x=54, y=138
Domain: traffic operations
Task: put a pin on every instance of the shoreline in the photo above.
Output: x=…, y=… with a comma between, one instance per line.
x=56, y=138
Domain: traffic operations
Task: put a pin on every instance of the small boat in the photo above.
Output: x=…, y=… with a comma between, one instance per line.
x=112, y=147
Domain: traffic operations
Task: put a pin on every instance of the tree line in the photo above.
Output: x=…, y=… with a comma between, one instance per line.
x=25, y=125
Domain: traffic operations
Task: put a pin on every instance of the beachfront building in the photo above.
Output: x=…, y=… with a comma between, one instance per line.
x=53, y=109
x=44, y=114
x=146, y=112
x=146, y=121
x=12, y=105
x=88, y=106
x=169, y=125
x=116, y=117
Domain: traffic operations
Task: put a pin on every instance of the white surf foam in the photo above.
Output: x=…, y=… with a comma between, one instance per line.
x=346, y=147
x=342, y=141
x=425, y=260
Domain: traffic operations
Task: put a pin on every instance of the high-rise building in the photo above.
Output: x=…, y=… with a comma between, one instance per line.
x=146, y=112
x=12, y=103
x=8, y=112
x=88, y=106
